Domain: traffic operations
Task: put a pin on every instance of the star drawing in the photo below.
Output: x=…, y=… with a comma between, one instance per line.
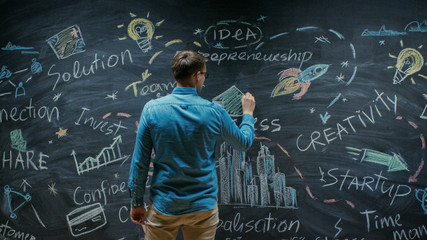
x=112, y=96
x=62, y=133
x=198, y=31
x=52, y=189
x=340, y=77
x=344, y=64
x=56, y=97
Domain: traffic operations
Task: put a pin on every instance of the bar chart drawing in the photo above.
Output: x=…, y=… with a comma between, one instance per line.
x=106, y=156
x=252, y=183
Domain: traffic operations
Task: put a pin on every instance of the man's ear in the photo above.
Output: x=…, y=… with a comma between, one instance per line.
x=198, y=76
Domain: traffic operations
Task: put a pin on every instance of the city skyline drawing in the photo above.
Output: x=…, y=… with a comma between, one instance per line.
x=252, y=183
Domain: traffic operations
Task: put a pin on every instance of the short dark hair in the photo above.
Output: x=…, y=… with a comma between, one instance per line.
x=186, y=63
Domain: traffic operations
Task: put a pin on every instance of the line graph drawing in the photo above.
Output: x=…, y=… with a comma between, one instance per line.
x=106, y=156
x=258, y=183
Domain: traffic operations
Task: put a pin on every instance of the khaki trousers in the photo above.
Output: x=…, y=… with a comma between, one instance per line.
x=194, y=226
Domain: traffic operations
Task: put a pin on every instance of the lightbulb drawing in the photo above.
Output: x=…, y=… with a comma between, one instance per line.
x=409, y=62
x=141, y=30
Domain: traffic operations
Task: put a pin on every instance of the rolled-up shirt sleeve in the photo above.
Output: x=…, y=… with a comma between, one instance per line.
x=140, y=161
x=240, y=138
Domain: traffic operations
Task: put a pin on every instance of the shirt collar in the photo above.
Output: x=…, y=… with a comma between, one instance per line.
x=184, y=91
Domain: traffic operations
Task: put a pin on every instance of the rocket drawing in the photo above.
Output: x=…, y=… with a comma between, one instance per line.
x=293, y=79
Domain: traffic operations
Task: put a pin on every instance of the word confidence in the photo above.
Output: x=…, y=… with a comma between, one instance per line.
x=96, y=64
x=102, y=193
x=328, y=135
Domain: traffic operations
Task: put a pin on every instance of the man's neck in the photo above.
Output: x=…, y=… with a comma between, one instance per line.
x=179, y=84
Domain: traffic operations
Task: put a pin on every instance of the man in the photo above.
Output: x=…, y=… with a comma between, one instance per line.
x=182, y=129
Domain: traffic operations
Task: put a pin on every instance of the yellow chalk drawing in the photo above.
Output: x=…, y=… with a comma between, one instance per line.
x=145, y=75
x=134, y=88
x=141, y=30
x=154, y=56
x=173, y=42
x=197, y=44
x=159, y=23
x=61, y=133
x=409, y=62
x=287, y=86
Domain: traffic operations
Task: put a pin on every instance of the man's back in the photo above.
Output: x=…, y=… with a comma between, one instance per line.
x=184, y=128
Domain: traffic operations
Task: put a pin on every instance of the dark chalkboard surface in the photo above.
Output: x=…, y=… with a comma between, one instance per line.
x=341, y=117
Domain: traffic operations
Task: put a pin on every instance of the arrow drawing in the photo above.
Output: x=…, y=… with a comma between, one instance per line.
x=24, y=185
x=394, y=162
x=325, y=117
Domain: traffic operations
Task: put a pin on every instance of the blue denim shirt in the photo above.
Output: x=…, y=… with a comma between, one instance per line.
x=183, y=128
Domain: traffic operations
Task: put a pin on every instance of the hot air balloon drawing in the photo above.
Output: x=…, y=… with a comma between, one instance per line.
x=292, y=79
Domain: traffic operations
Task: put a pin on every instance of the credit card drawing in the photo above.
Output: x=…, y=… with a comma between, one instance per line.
x=86, y=219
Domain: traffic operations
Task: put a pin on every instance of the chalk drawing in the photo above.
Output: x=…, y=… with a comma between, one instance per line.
x=11, y=199
x=12, y=47
x=416, y=26
x=20, y=90
x=381, y=33
x=25, y=184
x=408, y=62
x=62, y=133
x=108, y=155
x=141, y=30
x=424, y=113
x=232, y=34
x=394, y=162
x=292, y=79
x=36, y=67
x=421, y=195
x=86, y=219
x=5, y=73
x=18, y=141
x=67, y=42
x=231, y=101
x=240, y=184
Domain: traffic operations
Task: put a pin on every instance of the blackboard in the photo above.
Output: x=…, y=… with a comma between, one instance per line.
x=341, y=114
